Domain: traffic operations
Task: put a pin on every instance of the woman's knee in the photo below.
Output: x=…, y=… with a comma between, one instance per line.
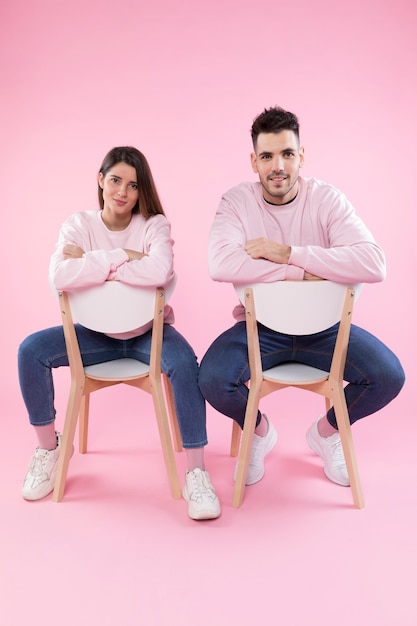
x=28, y=347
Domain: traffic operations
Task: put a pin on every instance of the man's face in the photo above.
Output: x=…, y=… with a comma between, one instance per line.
x=277, y=160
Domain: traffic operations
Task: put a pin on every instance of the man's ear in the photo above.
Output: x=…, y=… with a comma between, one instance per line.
x=253, y=162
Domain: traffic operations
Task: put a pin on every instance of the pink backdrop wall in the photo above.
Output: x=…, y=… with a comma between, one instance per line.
x=183, y=81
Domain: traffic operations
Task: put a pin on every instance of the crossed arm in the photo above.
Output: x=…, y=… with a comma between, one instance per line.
x=75, y=252
x=264, y=248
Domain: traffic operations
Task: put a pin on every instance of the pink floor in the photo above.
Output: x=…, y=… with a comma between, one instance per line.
x=120, y=550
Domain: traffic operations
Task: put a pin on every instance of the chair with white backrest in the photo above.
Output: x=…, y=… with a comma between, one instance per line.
x=114, y=308
x=296, y=308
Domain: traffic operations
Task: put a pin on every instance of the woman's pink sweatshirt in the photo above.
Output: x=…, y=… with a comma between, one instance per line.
x=105, y=259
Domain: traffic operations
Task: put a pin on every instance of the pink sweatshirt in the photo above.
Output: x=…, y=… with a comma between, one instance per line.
x=326, y=236
x=105, y=258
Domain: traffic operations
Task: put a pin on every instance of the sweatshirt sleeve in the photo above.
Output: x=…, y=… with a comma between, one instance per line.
x=95, y=266
x=349, y=254
x=107, y=260
x=228, y=260
x=156, y=268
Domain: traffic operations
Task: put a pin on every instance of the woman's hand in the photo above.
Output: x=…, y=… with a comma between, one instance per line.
x=134, y=255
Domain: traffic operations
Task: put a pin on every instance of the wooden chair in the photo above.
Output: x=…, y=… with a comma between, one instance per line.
x=113, y=308
x=296, y=308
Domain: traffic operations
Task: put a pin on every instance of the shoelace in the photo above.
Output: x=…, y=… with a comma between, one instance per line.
x=337, y=453
x=38, y=462
x=257, y=454
x=201, y=487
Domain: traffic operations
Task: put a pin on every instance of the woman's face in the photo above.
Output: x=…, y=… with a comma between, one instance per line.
x=120, y=189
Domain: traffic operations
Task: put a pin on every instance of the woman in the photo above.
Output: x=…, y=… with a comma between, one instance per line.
x=127, y=240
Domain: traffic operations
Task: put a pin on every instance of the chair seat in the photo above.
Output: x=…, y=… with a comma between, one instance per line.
x=288, y=373
x=122, y=368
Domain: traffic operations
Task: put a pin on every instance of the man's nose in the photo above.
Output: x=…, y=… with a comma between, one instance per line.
x=277, y=164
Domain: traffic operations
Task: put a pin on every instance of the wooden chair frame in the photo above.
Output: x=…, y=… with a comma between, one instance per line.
x=328, y=384
x=84, y=381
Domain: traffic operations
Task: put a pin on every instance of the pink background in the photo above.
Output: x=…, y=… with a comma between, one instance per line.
x=183, y=81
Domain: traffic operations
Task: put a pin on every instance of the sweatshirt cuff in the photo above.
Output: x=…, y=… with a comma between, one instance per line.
x=117, y=258
x=294, y=273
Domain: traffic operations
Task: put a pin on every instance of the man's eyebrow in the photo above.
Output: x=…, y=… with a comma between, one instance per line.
x=269, y=153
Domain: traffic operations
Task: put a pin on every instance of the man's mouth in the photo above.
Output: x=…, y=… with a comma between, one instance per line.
x=277, y=179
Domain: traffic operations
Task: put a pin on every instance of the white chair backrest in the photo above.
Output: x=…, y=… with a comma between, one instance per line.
x=114, y=307
x=298, y=307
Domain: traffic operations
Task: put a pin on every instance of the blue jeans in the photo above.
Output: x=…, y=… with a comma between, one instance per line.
x=44, y=350
x=373, y=373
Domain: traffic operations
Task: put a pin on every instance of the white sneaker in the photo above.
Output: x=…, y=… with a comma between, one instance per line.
x=40, y=478
x=198, y=491
x=331, y=451
x=261, y=446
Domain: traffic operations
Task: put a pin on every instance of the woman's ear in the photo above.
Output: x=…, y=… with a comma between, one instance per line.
x=100, y=179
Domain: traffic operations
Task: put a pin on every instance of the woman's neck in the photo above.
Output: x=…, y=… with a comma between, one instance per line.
x=115, y=223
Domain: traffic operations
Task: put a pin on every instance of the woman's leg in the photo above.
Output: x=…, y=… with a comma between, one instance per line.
x=179, y=363
x=45, y=350
x=38, y=354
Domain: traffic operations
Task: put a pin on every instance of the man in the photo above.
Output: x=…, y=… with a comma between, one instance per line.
x=286, y=227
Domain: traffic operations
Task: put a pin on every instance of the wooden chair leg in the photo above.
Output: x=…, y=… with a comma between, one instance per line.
x=83, y=423
x=165, y=436
x=246, y=446
x=175, y=429
x=236, y=436
x=345, y=431
x=67, y=442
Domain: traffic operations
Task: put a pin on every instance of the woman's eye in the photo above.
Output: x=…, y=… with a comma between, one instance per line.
x=134, y=185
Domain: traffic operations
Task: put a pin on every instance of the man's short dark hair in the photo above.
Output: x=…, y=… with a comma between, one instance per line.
x=274, y=120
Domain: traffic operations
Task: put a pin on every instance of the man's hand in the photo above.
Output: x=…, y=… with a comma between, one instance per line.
x=72, y=252
x=308, y=276
x=134, y=255
x=263, y=248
